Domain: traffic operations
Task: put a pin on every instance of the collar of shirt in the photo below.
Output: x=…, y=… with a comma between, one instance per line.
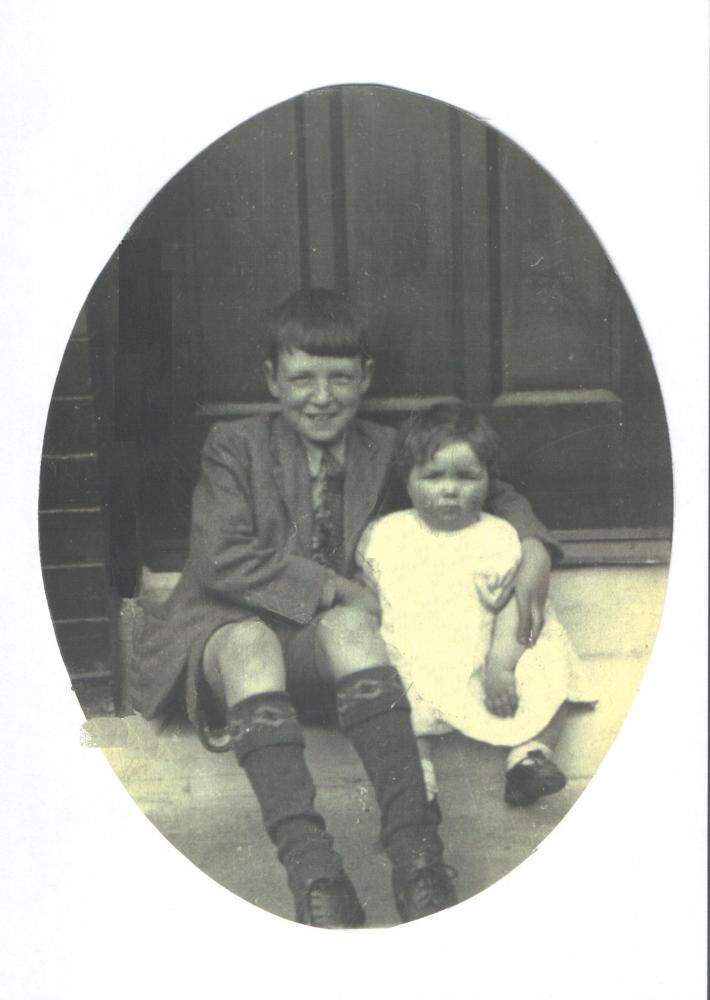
x=314, y=454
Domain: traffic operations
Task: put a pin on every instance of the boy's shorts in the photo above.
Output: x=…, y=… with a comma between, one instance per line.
x=312, y=696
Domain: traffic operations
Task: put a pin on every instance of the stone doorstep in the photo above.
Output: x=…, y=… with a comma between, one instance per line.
x=161, y=770
x=211, y=817
x=202, y=803
x=611, y=614
x=607, y=610
x=204, y=807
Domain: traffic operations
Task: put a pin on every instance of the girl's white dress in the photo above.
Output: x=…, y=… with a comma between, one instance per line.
x=439, y=592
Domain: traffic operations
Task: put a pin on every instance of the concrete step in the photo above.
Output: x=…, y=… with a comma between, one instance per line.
x=607, y=610
x=203, y=805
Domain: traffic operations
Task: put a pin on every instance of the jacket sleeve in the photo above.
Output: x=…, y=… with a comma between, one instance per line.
x=232, y=564
x=504, y=501
x=364, y=564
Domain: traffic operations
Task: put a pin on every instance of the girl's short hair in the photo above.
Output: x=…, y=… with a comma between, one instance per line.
x=318, y=321
x=427, y=432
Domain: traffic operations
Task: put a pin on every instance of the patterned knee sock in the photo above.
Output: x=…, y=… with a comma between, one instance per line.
x=374, y=713
x=269, y=745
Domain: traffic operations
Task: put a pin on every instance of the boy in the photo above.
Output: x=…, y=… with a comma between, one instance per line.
x=266, y=627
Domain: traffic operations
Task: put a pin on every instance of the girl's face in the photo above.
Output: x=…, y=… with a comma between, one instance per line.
x=449, y=490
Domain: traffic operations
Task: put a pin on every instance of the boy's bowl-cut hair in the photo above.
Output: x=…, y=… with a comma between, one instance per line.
x=427, y=432
x=318, y=321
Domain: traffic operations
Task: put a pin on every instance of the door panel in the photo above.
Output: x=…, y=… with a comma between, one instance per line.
x=247, y=249
x=555, y=284
x=560, y=349
x=399, y=240
x=563, y=451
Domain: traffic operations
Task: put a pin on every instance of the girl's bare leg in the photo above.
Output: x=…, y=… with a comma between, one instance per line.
x=425, y=756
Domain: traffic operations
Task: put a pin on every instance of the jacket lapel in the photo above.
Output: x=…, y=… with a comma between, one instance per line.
x=366, y=465
x=290, y=474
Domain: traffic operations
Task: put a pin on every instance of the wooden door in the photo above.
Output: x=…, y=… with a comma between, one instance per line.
x=479, y=278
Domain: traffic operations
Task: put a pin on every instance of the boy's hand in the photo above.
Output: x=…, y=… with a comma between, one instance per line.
x=501, y=693
x=355, y=595
x=531, y=586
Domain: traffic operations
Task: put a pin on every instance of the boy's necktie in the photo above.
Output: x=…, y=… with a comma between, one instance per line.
x=327, y=538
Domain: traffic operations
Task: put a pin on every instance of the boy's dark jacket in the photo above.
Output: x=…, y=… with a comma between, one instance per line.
x=250, y=540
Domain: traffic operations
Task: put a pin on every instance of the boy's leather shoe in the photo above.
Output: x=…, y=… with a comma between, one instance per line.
x=536, y=775
x=329, y=902
x=421, y=889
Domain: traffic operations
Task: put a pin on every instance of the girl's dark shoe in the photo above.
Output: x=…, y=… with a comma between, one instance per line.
x=423, y=889
x=534, y=776
x=329, y=902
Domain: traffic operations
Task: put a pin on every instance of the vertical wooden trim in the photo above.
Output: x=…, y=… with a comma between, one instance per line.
x=304, y=239
x=614, y=332
x=187, y=348
x=494, y=251
x=317, y=152
x=475, y=262
x=338, y=187
x=196, y=337
x=458, y=351
x=119, y=680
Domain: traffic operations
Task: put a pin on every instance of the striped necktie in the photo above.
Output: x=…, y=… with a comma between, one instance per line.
x=327, y=538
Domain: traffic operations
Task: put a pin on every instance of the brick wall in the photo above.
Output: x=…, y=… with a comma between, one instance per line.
x=74, y=524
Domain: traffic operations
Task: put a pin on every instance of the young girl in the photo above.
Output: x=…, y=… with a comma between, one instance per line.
x=444, y=574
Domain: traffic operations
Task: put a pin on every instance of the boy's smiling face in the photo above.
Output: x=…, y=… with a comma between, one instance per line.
x=319, y=396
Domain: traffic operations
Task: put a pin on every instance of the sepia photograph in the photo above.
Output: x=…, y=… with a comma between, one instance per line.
x=355, y=512
x=346, y=475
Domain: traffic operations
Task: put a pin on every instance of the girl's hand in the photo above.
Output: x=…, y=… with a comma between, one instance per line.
x=501, y=696
x=531, y=586
x=493, y=589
